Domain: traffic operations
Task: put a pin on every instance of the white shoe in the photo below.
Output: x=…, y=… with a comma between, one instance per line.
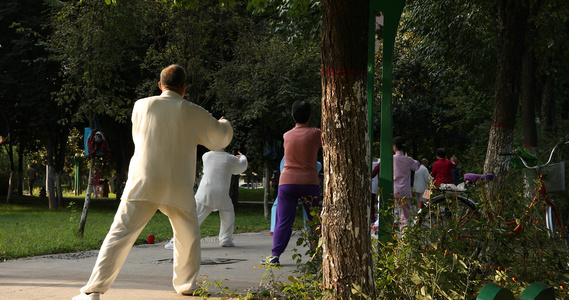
x=227, y=244
x=170, y=244
x=90, y=296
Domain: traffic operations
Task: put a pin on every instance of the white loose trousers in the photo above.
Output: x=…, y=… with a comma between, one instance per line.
x=227, y=217
x=130, y=220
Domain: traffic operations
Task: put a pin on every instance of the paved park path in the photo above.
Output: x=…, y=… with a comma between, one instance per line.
x=147, y=272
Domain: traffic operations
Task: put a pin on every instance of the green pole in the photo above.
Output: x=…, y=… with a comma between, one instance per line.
x=392, y=10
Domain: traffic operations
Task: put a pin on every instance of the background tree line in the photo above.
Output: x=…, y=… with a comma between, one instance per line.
x=73, y=64
x=473, y=76
x=68, y=63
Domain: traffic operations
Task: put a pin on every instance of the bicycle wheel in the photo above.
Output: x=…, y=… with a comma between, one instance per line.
x=448, y=211
x=554, y=223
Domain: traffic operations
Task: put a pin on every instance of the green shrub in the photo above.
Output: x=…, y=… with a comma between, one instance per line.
x=456, y=261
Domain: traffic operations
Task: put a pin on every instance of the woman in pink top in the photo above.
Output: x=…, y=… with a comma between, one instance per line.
x=402, y=167
x=299, y=178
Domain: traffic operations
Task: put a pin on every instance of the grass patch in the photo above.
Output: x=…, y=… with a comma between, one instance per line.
x=256, y=195
x=29, y=228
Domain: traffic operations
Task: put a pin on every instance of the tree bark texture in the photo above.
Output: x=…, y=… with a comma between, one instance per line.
x=346, y=236
x=83, y=221
x=512, y=19
x=529, y=96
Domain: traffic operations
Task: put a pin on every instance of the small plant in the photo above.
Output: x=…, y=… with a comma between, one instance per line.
x=72, y=209
x=203, y=292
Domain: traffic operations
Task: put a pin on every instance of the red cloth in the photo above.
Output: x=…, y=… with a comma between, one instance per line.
x=375, y=171
x=442, y=171
x=98, y=142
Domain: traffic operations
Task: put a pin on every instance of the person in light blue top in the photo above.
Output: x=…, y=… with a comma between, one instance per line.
x=274, y=208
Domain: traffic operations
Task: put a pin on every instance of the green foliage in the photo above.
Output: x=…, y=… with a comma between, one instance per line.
x=299, y=21
x=256, y=89
x=437, y=101
x=445, y=71
x=204, y=289
x=97, y=44
x=452, y=262
x=447, y=263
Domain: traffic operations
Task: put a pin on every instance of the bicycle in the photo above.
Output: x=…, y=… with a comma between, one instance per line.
x=455, y=209
x=545, y=178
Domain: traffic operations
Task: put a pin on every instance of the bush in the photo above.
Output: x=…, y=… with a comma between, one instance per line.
x=456, y=262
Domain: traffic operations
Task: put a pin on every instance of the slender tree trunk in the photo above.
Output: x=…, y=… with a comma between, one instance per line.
x=60, y=162
x=267, y=193
x=529, y=96
x=50, y=176
x=346, y=238
x=512, y=18
x=58, y=188
x=548, y=107
x=12, y=172
x=83, y=220
x=20, y=170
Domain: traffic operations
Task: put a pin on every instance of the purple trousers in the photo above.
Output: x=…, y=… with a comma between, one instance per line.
x=286, y=211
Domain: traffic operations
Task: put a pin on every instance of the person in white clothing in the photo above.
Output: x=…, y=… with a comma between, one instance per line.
x=166, y=130
x=213, y=191
x=421, y=182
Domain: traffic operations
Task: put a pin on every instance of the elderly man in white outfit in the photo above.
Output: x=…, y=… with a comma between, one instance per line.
x=213, y=192
x=166, y=130
x=421, y=182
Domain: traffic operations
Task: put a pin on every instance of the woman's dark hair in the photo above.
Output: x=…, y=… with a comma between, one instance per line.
x=173, y=76
x=399, y=142
x=301, y=111
x=441, y=153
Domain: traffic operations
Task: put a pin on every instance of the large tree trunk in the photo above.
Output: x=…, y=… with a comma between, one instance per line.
x=512, y=18
x=529, y=96
x=346, y=237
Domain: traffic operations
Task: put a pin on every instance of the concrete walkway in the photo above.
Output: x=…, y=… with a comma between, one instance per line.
x=147, y=272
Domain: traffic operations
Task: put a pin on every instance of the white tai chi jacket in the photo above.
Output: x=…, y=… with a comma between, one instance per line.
x=214, y=186
x=166, y=130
